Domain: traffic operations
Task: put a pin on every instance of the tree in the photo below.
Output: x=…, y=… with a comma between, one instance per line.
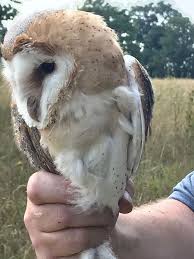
x=157, y=34
x=178, y=47
x=7, y=12
x=166, y=38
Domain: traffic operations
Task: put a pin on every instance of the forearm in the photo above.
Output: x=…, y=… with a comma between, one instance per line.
x=164, y=230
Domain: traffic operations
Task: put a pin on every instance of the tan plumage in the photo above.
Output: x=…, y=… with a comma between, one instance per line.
x=68, y=32
x=79, y=107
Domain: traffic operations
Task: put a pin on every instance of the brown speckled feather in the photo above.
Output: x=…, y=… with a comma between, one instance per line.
x=147, y=95
x=28, y=141
x=101, y=57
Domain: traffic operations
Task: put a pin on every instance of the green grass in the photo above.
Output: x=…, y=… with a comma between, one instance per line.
x=14, y=173
x=168, y=157
x=170, y=149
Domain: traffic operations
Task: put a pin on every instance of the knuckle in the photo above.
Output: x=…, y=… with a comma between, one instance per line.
x=27, y=219
x=33, y=216
x=37, y=243
x=33, y=187
x=43, y=246
x=40, y=243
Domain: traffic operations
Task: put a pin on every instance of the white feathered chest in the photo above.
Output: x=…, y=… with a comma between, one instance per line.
x=89, y=146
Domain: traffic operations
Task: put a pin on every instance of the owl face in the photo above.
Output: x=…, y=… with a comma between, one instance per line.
x=38, y=82
x=48, y=56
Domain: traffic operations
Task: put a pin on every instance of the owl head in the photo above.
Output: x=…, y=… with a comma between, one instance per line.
x=51, y=55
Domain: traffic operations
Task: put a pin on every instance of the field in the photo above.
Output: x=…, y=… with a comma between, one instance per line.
x=168, y=157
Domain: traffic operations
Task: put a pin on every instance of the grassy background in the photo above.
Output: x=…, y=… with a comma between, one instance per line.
x=168, y=157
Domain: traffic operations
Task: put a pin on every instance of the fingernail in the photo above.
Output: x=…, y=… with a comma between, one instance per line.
x=127, y=197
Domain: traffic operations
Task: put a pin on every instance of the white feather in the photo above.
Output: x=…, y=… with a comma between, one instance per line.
x=31, y=8
x=135, y=148
x=18, y=71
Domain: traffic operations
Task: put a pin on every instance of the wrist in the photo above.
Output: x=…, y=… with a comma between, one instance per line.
x=124, y=237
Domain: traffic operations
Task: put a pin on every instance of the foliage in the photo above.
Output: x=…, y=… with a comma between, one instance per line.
x=7, y=12
x=178, y=40
x=158, y=35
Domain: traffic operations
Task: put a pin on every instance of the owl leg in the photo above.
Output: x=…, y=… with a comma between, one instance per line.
x=102, y=252
x=64, y=163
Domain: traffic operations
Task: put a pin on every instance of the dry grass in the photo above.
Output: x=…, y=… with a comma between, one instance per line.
x=170, y=149
x=168, y=157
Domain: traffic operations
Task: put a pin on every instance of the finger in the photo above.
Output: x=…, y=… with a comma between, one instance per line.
x=55, y=217
x=70, y=242
x=45, y=187
x=125, y=204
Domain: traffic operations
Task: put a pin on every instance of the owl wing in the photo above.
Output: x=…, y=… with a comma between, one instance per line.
x=139, y=82
x=28, y=141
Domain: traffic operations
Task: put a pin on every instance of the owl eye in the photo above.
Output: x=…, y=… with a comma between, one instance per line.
x=47, y=68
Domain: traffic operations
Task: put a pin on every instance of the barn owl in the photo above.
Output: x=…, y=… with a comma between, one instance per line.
x=80, y=108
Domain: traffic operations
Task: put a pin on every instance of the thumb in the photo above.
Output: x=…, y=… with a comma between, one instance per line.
x=125, y=203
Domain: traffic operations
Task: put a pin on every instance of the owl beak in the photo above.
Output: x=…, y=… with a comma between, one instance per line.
x=33, y=107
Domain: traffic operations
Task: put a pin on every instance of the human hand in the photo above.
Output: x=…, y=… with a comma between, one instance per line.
x=56, y=228
x=126, y=203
